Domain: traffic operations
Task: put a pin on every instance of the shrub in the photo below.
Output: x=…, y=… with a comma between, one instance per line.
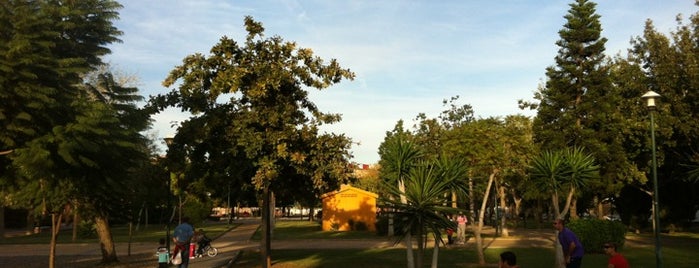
x=360, y=226
x=86, y=229
x=335, y=226
x=593, y=233
x=350, y=222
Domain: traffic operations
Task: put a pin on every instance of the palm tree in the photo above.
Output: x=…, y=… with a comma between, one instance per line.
x=398, y=157
x=424, y=211
x=554, y=171
x=548, y=171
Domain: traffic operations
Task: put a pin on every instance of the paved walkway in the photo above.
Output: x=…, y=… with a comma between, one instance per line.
x=228, y=244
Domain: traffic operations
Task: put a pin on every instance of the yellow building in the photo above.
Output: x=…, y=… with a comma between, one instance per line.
x=348, y=209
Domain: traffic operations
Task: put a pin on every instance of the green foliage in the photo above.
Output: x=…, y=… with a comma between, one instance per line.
x=268, y=130
x=196, y=210
x=554, y=172
x=593, y=233
x=419, y=207
x=87, y=229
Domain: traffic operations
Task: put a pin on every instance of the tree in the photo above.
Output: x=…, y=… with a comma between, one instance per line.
x=666, y=64
x=274, y=122
x=399, y=156
x=554, y=172
x=578, y=105
x=421, y=207
x=45, y=49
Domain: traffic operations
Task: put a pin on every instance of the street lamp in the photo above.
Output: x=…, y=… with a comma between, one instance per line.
x=650, y=98
x=168, y=141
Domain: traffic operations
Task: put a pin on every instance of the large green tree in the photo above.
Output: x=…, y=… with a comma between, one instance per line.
x=274, y=124
x=46, y=47
x=666, y=64
x=577, y=106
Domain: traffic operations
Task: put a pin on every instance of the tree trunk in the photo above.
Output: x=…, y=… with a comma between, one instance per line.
x=556, y=210
x=435, y=252
x=55, y=228
x=599, y=214
x=266, y=247
x=76, y=220
x=454, y=199
x=109, y=254
x=518, y=207
x=569, y=200
x=140, y=213
x=503, y=205
x=408, y=237
x=421, y=240
x=477, y=228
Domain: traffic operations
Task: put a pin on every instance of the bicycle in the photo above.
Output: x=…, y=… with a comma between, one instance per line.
x=206, y=247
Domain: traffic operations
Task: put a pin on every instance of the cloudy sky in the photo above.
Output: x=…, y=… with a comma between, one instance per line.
x=408, y=55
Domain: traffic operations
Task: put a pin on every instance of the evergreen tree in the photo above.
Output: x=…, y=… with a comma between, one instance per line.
x=578, y=107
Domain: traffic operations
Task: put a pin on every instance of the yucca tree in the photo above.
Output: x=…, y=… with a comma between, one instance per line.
x=548, y=171
x=568, y=169
x=424, y=210
x=399, y=155
x=563, y=170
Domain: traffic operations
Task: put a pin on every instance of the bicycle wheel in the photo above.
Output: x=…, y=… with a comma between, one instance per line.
x=211, y=251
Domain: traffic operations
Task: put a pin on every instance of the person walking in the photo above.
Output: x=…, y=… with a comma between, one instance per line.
x=572, y=248
x=616, y=260
x=461, y=220
x=508, y=259
x=182, y=236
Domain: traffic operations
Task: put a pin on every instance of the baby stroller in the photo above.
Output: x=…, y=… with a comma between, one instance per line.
x=204, y=247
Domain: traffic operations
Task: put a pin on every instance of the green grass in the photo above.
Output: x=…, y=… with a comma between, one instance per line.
x=285, y=230
x=120, y=234
x=679, y=250
x=457, y=257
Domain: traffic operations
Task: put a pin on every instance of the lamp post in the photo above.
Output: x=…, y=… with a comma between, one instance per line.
x=650, y=98
x=168, y=141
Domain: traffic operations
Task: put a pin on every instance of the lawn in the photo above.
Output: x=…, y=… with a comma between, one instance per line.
x=284, y=230
x=679, y=251
x=120, y=233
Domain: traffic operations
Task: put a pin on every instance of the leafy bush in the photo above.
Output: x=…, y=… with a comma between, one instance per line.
x=196, y=210
x=593, y=233
x=86, y=229
x=360, y=226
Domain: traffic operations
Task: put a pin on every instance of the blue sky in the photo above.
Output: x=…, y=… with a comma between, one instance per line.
x=408, y=56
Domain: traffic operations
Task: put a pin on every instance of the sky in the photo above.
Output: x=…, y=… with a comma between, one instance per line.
x=408, y=56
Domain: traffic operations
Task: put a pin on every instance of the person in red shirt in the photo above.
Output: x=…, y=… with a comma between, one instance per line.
x=616, y=260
